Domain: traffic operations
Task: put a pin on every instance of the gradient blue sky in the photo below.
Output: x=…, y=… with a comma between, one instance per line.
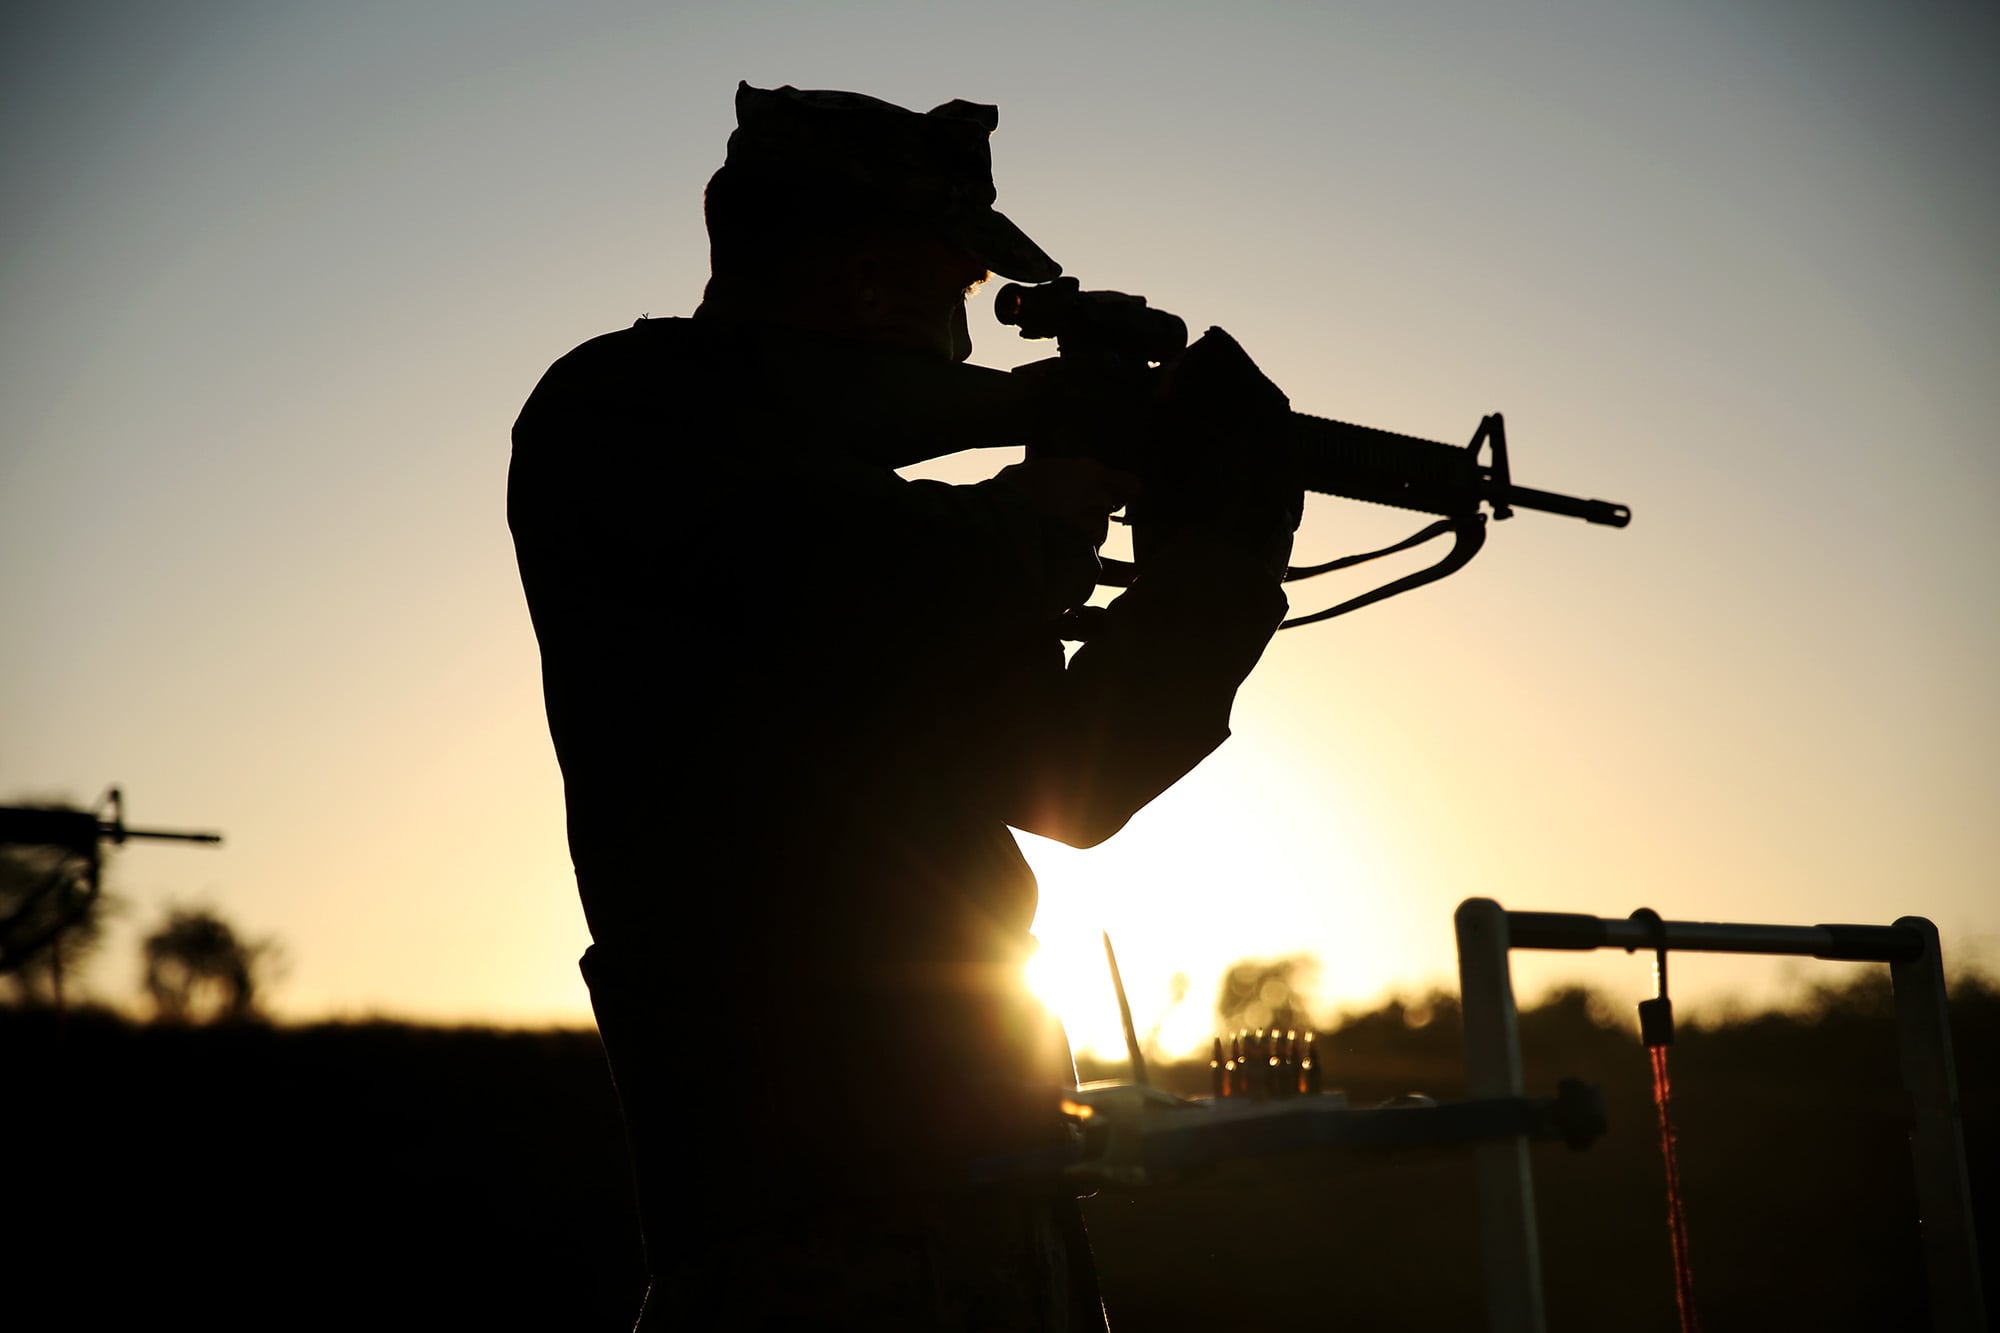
x=277, y=277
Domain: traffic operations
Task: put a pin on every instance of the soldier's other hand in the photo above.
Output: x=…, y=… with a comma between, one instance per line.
x=1079, y=493
x=1227, y=463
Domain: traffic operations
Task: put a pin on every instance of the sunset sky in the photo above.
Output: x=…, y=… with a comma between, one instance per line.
x=276, y=278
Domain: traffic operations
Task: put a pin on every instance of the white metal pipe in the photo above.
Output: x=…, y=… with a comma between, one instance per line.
x=1512, y=1251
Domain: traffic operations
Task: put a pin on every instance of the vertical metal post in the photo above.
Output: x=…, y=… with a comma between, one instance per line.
x=1512, y=1253
x=1937, y=1144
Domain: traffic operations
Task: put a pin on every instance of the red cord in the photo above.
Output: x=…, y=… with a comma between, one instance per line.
x=1676, y=1218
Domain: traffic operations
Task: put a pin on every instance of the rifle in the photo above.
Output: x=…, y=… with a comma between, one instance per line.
x=1096, y=390
x=80, y=836
x=1119, y=335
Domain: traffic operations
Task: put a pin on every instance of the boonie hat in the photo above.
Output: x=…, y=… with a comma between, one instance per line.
x=937, y=166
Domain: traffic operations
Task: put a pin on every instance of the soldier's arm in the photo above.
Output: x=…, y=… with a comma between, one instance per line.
x=1004, y=554
x=1150, y=694
x=1145, y=700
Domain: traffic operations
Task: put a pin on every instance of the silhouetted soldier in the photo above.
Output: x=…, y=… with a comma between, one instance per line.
x=798, y=701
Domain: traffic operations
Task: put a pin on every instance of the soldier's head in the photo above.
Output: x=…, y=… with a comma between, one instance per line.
x=848, y=215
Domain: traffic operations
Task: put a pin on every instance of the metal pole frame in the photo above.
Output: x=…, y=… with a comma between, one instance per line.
x=1487, y=932
x=1507, y=1236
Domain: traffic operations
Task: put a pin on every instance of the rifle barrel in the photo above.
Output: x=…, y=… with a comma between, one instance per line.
x=1590, y=511
x=1408, y=472
x=118, y=833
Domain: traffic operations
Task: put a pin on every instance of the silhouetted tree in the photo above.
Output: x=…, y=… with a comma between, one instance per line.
x=1267, y=992
x=198, y=968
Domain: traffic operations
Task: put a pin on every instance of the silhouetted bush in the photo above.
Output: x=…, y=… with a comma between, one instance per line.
x=198, y=969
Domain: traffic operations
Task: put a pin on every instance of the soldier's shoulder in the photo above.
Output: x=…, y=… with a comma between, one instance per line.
x=648, y=340
x=632, y=369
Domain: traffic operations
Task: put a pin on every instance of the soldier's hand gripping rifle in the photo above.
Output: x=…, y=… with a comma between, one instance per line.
x=1109, y=342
